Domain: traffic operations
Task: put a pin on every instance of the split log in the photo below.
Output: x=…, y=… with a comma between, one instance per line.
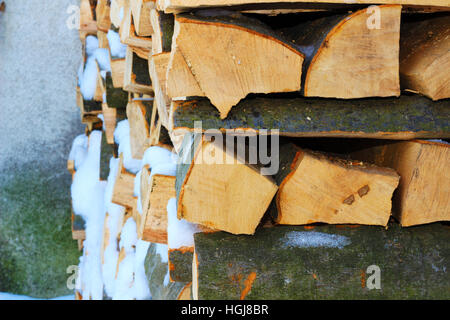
x=326, y=262
x=115, y=8
x=117, y=71
x=424, y=189
x=407, y=117
x=128, y=34
x=102, y=13
x=179, y=78
x=156, y=270
x=156, y=191
x=256, y=59
x=216, y=189
x=162, y=25
x=102, y=37
x=315, y=187
x=175, y=6
x=157, y=68
x=89, y=109
x=139, y=116
x=123, y=187
x=136, y=77
x=425, y=57
x=141, y=16
x=88, y=25
x=351, y=56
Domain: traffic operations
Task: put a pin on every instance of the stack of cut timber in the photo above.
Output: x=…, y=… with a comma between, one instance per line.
x=302, y=132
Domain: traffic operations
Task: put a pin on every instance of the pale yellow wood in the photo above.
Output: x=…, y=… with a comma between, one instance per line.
x=139, y=128
x=330, y=190
x=425, y=57
x=221, y=192
x=115, y=12
x=185, y=293
x=195, y=277
x=123, y=187
x=102, y=39
x=356, y=61
x=180, y=81
x=127, y=32
x=88, y=26
x=102, y=12
x=109, y=119
x=424, y=191
x=184, y=5
x=118, y=72
x=252, y=62
x=141, y=16
x=156, y=191
x=158, y=69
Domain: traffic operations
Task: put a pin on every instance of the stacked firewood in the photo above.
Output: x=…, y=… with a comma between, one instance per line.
x=309, y=138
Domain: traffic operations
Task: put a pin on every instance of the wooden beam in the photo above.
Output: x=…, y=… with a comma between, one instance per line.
x=323, y=262
x=217, y=190
x=315, y=187
x=424, y=190
x=425, y=57
x=257, y=60
x=407, y=117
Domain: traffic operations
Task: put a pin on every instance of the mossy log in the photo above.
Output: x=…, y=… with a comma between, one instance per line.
x=115, y=97
x=256, y=59
x=425, y=57
x=180, y=264
x=156, y=270
x=174, y=6
x=423, y=195
x=319, y=187
x=406, y=117
x=324, y=262
x=163, y=25
x=106, y=152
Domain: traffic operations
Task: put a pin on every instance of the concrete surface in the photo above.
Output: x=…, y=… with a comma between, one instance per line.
x=39, y=58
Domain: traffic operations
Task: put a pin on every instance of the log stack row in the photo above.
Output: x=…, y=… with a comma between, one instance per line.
x=311, y=143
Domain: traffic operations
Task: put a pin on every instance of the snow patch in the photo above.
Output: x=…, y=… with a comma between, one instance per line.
x=313, y=239
x=180, y=232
